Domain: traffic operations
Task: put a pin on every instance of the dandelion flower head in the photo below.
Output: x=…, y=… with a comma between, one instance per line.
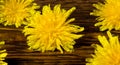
x=16, y=12
x=3, y=54
x=49, y=30
x=108, y=53
x=108, y=15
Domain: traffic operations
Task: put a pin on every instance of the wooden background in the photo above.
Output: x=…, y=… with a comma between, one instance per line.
x=16, y=42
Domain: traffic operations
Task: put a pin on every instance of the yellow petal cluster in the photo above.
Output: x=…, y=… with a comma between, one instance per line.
x=108, y=53
x=16, y=12
x=49, y=30
x=108, y=15
x=3, y=54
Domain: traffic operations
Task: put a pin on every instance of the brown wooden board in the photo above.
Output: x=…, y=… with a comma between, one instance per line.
x=16, y=42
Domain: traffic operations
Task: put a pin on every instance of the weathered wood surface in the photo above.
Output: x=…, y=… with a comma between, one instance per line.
x=16, y=42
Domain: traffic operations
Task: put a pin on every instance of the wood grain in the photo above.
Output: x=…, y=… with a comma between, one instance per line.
x=18, y=54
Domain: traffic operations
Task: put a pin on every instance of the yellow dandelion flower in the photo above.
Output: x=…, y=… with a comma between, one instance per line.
x=108, y=15
x=15, y=12
x=50, y=30
x=3, y=54
x=108, y=53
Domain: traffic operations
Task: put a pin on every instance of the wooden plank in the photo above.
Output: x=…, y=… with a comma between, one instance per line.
x=16, y=46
